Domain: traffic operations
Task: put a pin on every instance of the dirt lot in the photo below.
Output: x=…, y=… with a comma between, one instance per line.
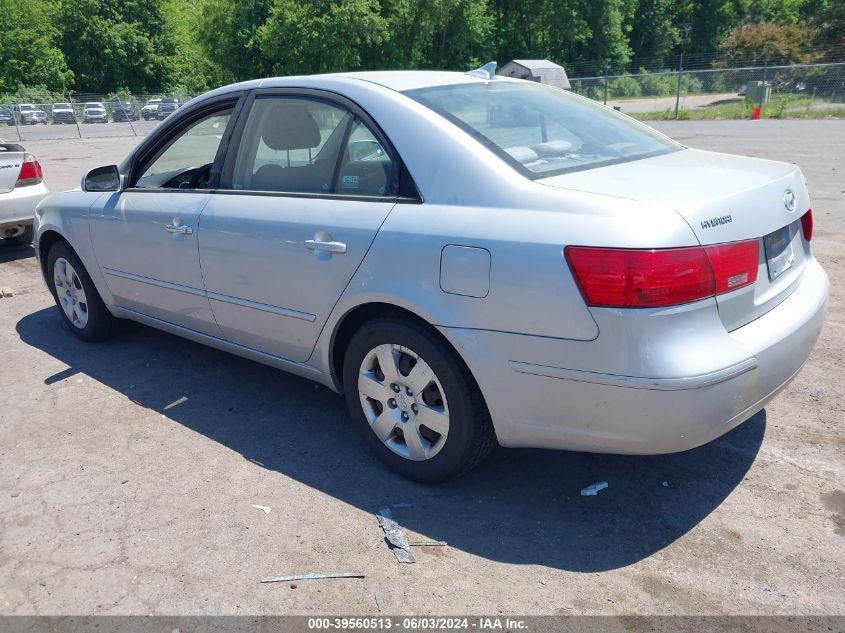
x=129, y=470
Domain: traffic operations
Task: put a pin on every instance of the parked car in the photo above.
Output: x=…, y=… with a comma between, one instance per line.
x=28, y=114
x=579, y=281
x=62, y=113
x=150, y=109
x=123, y=111
x=94, y=112
x=21, y=189
x=6, y=116
x=166, y=108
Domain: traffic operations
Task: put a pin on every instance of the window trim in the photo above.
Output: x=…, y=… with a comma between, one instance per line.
x=167, y=135
x=224, y=183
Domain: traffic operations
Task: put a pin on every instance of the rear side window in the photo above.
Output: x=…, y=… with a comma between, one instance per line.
x=311, y=146
x=540, y=130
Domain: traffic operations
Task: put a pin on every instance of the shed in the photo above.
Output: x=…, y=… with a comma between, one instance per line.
x=540, y=70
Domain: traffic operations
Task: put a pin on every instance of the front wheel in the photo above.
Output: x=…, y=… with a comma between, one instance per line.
x=80, y=305
x=414, y=401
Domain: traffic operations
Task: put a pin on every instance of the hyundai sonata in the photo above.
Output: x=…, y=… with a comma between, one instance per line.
x=470, y=259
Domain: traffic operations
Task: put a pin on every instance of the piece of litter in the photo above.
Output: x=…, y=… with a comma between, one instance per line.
x=265, y=508
x=402, y=504
x=16, y=493
x=313, y=577
x=395, y=537
x=6, y=293
x=428, y=543
x=379, y=600
x=593, y=489
x=665, y=484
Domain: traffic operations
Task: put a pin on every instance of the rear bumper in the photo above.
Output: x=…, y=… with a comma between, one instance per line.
x=17, y=207
x=657, y=381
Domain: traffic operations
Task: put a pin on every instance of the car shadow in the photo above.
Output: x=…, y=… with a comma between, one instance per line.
x=519, y=506
x=14, y=252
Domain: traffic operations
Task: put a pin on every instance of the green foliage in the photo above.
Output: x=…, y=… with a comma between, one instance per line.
x=321, y=35
x=665, y=84
x=116, y=43
x=625, y=86
x=29, y=52
x=756, y=44
x=433, y=34
x=174, y=46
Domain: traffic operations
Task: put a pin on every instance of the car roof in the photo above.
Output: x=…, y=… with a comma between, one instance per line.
x=398, y=80
x=401, y=80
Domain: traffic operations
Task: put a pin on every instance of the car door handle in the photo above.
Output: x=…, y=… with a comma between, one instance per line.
x=327, y=247
x=183, y=229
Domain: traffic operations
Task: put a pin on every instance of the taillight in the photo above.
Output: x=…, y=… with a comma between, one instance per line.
x=734, y=264
x=30, y=172
x=807, y=225
x=643, y=278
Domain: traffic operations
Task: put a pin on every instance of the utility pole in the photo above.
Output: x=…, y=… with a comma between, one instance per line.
x=678, y=93
x=605, y=82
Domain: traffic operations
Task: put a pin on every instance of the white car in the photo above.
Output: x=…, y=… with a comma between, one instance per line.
x=63, y=113
x=28, y=114
x=94, y=112
x=21, y=189
x=150, y=109
x=470, y=259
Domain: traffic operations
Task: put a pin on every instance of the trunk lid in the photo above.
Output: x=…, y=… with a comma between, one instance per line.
x=723, y=198
x=11, y=158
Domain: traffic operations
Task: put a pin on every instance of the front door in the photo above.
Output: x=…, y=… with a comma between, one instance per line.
x=145, y=237
x=308, y=187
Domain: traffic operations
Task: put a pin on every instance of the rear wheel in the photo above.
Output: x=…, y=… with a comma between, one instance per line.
x=415, y=403
x=24, y=237
x=80, y=305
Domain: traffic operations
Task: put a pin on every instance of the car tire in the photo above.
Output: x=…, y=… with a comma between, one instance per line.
x=80, y=305
x=385, y=409
x=21, y=238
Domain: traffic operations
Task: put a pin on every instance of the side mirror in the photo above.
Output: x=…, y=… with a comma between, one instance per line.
x=102, y=179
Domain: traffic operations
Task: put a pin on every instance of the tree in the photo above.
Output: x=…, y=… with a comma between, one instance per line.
x=189, y=69
x=320, y=35
x=710, y=21
x=29, y=54
x=755, y=44
x=656, y=30
x=227, y=32
x=111, y=44
x=830, y=24
x=451, y=34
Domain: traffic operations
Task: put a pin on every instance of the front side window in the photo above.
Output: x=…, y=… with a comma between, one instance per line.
x=306, y=145
x=540, y=130
x=185, y=163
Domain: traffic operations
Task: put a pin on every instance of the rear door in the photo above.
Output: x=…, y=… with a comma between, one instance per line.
x=306, y=186
x=11, y=159
x=146, y=236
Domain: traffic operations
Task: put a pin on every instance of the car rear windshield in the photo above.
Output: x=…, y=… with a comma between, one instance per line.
x=540, y=130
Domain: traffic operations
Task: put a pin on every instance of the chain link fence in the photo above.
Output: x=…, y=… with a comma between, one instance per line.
x=55, y=117
x=780, y=91
x=687, y=87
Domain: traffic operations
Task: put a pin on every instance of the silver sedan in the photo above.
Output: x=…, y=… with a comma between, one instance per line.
x=472, y=260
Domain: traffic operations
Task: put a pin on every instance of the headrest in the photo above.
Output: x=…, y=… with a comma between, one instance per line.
x=289, y=125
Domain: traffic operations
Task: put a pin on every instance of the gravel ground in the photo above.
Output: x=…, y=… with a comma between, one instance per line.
x=130, y=470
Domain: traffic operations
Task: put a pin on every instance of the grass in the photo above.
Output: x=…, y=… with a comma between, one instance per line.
x=778, y=107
